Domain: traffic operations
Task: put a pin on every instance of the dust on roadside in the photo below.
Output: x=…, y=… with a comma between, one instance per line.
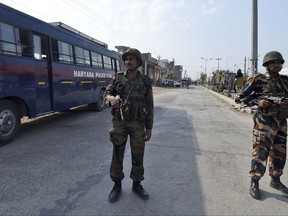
x=157, y=89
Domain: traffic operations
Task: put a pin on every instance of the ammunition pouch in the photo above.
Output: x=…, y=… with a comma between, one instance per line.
x=132, y=110
x=138, y=111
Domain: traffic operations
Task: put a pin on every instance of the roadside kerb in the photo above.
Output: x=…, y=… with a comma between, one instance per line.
x=230, y=101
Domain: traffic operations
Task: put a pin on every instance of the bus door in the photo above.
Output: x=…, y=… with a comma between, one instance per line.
x=43, y=70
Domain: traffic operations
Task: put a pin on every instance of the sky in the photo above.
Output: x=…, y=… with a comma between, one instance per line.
x=186, y=31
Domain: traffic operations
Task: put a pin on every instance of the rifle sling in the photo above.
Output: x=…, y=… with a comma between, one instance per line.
x=282, y=83
x=126, y=99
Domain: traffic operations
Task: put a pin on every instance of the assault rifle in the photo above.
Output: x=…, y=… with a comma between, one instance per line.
x=275, y=99
x=122, y=106
x=253, y=99
x=124, y=102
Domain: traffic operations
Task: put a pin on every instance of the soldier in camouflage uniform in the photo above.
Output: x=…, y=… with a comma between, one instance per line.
x=270, y=125
x=131, y=98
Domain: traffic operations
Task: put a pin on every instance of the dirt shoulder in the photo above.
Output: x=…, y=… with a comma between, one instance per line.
x=157, y=89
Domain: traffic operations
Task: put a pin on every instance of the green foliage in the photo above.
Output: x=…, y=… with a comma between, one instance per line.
x=203, y=78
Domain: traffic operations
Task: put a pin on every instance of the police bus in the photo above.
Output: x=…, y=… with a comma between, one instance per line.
x=46, y=68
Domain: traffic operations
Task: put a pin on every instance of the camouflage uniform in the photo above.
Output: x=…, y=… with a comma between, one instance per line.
x=270, y=126
x=138, y=116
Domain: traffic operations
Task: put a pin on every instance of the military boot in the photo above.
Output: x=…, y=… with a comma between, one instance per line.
x=139, y=190
x=278, y=185
x=116, y=192
x=254, y=189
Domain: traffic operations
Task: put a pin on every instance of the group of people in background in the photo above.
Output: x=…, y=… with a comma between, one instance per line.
x=223, y=80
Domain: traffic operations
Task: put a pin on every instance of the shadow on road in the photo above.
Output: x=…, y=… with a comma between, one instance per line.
x=171, y=163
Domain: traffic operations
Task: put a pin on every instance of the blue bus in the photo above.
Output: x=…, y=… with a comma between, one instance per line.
x=47, y=68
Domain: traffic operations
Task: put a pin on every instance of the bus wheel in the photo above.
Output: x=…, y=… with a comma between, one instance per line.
x=100, y=104
x=9, y=121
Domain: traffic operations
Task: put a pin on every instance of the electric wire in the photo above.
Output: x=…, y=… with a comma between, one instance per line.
x=92, y=14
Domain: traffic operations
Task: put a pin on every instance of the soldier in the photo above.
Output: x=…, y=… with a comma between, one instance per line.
x=131, y=97
x=270, y=125
x=239, y=81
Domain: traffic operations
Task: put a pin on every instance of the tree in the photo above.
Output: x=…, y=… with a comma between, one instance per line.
x=203, y=77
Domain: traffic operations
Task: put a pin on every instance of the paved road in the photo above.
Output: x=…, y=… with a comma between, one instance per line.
x=196, y=163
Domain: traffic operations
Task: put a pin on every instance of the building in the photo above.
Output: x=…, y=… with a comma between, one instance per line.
x=177, y=74
x=163, y=63
x=150, y=67
x=156, y=69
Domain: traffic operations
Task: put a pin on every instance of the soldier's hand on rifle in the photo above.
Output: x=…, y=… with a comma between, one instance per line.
x=262, y=103
x=115, y=101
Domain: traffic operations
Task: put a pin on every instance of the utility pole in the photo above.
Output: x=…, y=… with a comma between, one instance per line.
x=158, y=68
x=254, y=59
x=245, y=72
x=206, y=63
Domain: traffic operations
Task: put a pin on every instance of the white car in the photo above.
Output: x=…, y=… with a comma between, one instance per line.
x=167, y=82
x=177, y=84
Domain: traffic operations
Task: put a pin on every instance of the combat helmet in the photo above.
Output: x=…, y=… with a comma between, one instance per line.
x=134, y=52
x=271, y=56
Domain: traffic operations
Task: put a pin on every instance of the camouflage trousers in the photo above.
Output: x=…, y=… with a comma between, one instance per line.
x=119, y=136
x=269, y=141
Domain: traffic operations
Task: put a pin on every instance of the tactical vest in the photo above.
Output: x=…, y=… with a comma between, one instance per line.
x=133, y=96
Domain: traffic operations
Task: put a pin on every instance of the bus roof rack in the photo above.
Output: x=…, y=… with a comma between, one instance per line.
x=73, y=30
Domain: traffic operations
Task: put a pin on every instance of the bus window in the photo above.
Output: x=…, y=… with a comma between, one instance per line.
x=107, y=62
x=117, y=65
x=96, y=60
x=62, y=51
x=82, y=56
x=23, y=45
x=40, y=47
x=113, y=64
x=7, y=39
x=14, y=41
x=87, y=58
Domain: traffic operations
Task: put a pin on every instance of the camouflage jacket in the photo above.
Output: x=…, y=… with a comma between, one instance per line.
x=140, y=100
x=263, y=85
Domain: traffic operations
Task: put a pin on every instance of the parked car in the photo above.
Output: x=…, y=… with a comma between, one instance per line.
x=177, y=84
x=167, y=82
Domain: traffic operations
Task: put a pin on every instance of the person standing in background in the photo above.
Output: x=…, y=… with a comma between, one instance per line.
x=239, y=81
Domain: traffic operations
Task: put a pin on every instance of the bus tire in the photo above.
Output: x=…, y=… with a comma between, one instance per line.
x=100, y=104
x=10, y=121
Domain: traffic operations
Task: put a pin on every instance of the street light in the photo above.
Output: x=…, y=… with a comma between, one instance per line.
x=206, y=59
x=203, y=69
x=218, y=59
